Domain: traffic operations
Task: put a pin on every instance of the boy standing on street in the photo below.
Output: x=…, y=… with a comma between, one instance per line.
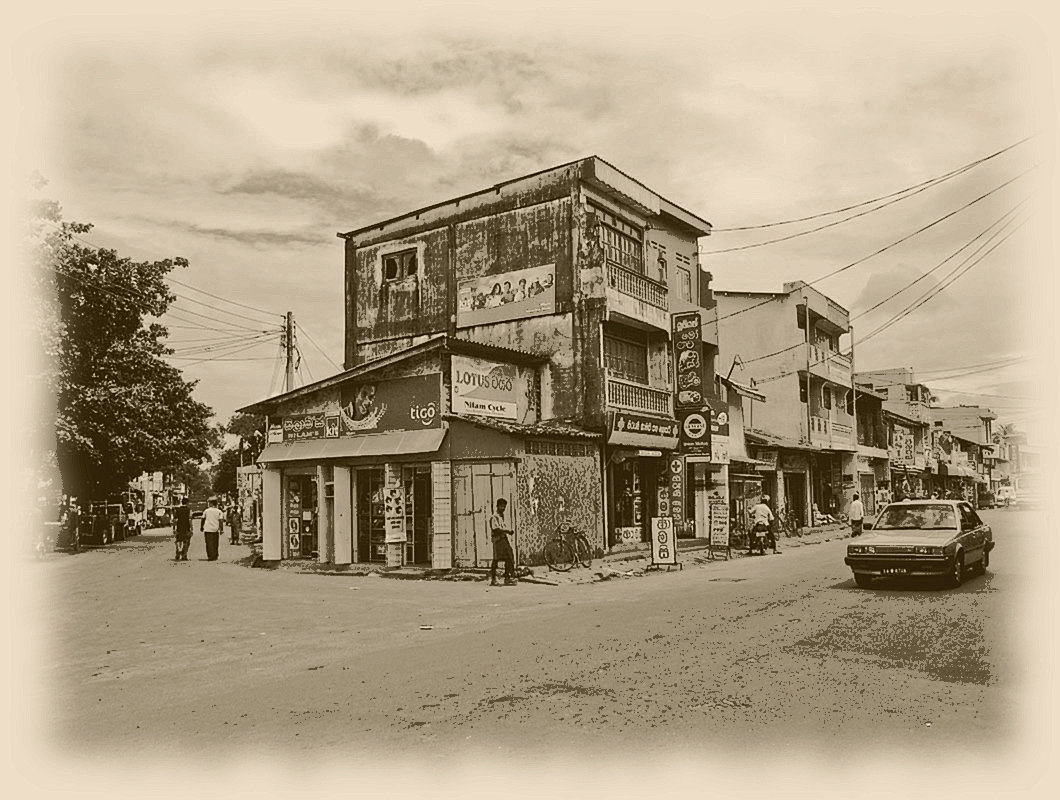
x=182, y=529
x=502, y=548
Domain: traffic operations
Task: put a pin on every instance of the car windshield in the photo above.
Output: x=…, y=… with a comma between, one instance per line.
x=919, y=517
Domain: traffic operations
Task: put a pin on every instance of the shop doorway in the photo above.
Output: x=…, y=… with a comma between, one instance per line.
x=417, y=482
x=371, y=522
x=633, y=489
x=795, y=495
x=476, y=490
x=301, y=513
x=868, y=493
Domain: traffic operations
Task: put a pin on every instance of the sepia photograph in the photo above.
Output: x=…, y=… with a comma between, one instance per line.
x=544, y=400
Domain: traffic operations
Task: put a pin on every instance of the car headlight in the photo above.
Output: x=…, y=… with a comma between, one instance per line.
x=854, y=549
x=870, y=549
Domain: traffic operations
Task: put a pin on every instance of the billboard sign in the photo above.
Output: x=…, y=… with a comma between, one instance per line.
x=302, y=427
x=485, y=388
x=399, y=404
x=506, y=296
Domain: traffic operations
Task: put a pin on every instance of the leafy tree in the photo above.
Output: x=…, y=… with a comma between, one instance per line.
x=119, y=408
x=195, y=478
x=224, y=472
x=250, y=428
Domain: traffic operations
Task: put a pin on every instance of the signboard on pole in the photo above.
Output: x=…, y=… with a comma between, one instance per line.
x=663, y=542
x=695, y=431
x=676, y=470
x=687, y=335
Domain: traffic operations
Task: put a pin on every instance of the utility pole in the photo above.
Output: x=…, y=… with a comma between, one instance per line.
x=288, y=341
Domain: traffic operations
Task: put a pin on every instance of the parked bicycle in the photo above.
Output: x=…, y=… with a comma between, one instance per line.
x=569, y=546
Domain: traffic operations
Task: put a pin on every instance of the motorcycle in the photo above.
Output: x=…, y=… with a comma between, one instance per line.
x=759, y=536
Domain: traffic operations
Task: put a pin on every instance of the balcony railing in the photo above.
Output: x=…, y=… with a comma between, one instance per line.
x=823, y=429
x=636, y=285
x=829, y=364
x=637, y=397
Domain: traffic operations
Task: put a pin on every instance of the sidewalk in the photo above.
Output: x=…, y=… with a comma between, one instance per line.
x=624, y=561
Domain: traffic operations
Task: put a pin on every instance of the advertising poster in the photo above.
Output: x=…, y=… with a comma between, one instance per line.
x=695, y=431
x=663, y=541
x=399, y=404
x=687, y=336
x=507, y=295
x=485, y=388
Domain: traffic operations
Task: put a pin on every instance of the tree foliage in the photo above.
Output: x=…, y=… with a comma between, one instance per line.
x=120, y=408
x=250, y=428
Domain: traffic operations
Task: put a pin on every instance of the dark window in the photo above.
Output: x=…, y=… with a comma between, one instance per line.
x=826, y=397
x=622, y=243
x=398, y=266
x=626, y=359
x=802, y=391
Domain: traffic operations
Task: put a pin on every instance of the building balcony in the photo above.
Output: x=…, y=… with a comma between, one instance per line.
x=637, y=296
x=630, y=396
x=828, y=433
x=829, y=365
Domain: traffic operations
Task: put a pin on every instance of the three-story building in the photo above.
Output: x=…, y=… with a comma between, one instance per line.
x=514, y=343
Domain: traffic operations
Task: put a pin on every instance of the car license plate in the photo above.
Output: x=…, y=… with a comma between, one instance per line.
x=893, y=571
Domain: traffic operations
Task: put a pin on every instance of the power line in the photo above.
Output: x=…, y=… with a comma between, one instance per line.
x=877, y=252
x=1002, y=221
x=930, y=181
x=312, y=341
x=225, y=299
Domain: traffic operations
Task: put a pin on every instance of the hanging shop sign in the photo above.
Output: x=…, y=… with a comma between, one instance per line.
x=398, y=404
x=275, y=434
x=506, y=295
x=301, y=427
x=676, y=470
x=638, y=430
x=687, y=335
x=663, y=541
x=695, y=431
x=719, y=422
x=485, y=388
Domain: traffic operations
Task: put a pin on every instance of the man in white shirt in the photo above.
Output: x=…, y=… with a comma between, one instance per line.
x=857, y=515
x=211, y=528
x=761, y=525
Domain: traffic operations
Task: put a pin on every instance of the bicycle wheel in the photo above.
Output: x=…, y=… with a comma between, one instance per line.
x=559, y=555
x=583, y=551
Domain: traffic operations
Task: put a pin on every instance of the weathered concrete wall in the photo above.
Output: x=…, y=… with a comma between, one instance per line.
x=554, y=489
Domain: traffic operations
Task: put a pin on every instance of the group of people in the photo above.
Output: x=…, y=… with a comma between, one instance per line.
x=213, y=522
x=504, y=292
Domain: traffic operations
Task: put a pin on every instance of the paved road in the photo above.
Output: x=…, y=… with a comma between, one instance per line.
x=778, y=655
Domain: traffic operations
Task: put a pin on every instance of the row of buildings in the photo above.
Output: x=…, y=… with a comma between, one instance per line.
x=554, y=341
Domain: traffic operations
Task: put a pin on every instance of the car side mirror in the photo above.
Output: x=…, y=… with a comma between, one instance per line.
x=866, y=525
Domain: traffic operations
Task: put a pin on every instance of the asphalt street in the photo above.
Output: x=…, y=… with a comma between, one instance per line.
x=778, y=657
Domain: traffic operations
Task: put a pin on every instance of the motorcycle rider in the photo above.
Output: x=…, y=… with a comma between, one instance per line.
x=761, y=526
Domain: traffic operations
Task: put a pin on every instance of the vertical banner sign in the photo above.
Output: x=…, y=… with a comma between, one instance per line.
x=688, y=359
x=663, y=542
x=718, y=505
x=694, y=433
x=677, y=489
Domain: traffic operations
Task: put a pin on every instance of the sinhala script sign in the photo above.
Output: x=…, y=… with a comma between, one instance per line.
x=484, y=388
x=663, y=541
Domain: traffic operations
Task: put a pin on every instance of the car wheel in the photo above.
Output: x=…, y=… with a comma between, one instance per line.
x=956, y=576
x=862, y=580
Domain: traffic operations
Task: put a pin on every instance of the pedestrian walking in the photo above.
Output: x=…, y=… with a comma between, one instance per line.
x=212, y=522
x=857, y=515
x=182, y=529
x=235, y=524
x=762, y=525
x=502, y=547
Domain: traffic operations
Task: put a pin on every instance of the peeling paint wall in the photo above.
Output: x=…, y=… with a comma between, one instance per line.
x=553, y=489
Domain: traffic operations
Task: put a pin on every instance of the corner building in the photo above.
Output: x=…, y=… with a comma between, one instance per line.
x=512, y=343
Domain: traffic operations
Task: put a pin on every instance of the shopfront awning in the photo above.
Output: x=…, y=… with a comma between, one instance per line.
x=394, y=443
x=957, y=471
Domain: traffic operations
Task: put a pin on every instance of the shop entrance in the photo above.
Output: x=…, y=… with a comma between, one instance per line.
x=371, y=522
x=633, y=486
x=795, y=495
x=868, y=493
x=417, y=482
x=301, y=513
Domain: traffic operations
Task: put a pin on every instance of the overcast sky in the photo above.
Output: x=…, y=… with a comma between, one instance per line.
x=244, y=141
